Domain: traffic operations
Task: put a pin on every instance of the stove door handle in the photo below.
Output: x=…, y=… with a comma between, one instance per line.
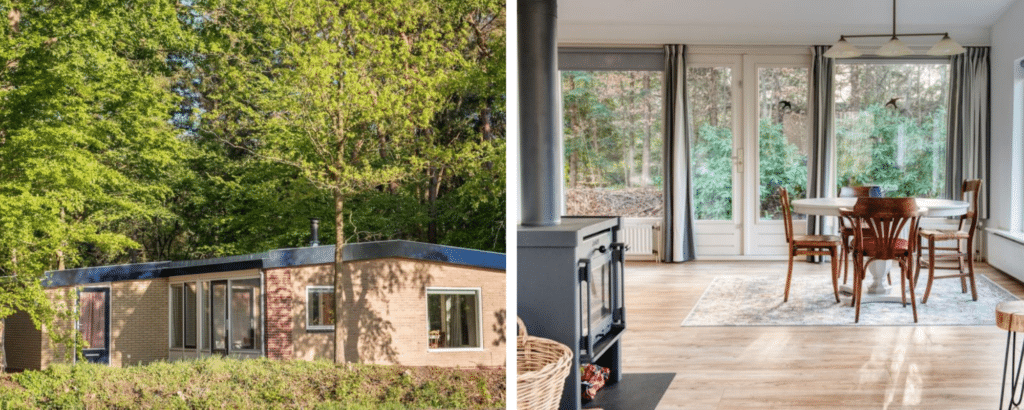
x=586, y=343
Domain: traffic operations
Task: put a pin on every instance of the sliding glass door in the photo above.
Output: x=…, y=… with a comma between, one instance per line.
x=220, y=316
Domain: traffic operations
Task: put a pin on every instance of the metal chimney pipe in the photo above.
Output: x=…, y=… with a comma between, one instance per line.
x=540, y=142
x=314, y=232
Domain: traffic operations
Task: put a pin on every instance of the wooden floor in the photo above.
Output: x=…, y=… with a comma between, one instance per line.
x=803, y=367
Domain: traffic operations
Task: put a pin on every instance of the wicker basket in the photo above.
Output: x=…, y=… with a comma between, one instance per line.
x=542, y=366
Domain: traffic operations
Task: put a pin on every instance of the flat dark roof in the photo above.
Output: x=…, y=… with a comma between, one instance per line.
x=278, y=258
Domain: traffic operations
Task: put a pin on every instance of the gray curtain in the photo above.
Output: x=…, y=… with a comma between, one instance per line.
x=678, y=209
x=969, y=141
x=822, y=139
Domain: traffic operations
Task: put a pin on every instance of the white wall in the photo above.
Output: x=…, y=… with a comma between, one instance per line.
x=1006, y=47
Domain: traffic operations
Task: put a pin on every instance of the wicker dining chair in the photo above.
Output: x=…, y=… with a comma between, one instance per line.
x=883, y=239
x=962, y=251
x=815, y=245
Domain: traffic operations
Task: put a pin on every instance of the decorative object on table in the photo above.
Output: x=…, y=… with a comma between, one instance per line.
x=895, y=47
x=885, y=219
x=846, y=226
x=752, y=300
x=815, y=245
x=541, y=366
x=593, y=379
x=962, y=252
x=1010, y=317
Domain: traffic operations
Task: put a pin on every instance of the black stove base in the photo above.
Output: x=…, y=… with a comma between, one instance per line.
x=636, y=391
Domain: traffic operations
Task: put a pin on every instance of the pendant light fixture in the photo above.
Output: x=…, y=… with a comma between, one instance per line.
x=895, y=47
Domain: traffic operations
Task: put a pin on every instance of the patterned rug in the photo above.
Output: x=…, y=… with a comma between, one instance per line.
x=756, y=300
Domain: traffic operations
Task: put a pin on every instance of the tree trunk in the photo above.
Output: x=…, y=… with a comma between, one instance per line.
x=432, y=193
x=63, y=244
x=485, y=120
x=630, y=154
x=573, y=170
x=715, y=95
x=346, y=345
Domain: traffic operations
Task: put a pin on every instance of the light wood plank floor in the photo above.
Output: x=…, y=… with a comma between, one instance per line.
x=800, y=367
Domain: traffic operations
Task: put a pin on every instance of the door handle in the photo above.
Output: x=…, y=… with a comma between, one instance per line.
x=737, y=160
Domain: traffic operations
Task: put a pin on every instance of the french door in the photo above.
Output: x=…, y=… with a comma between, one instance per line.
x=750, y=119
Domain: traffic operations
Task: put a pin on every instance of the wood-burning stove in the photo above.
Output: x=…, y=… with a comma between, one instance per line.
x=570, y=268
x=570, y=290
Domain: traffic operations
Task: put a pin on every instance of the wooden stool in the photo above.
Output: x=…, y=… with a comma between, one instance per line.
x=1010, y=316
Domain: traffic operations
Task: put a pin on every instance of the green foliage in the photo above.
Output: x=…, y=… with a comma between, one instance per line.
x=781, y=165
x=218, y=382
x=891, y=126
x=712, y=173
x=897, y=152
x=158, y=130
x=84, y=138
x=612, y=126
x=388, y=111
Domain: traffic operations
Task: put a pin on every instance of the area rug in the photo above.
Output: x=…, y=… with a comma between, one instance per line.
x=756, y=300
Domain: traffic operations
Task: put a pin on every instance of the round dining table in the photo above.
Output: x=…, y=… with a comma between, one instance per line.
x=879, y=290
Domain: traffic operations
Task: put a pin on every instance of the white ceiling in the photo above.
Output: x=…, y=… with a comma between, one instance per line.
x=779, y=22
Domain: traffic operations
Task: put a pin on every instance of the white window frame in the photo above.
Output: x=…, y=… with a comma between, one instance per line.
x=478, y=292
x=1017, y=151
x=320, y=288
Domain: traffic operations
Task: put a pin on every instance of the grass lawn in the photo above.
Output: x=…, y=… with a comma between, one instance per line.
x=253, y=384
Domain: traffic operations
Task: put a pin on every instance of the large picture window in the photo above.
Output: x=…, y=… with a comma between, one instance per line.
x=612, y=129
x=319, y=308
x=454, y=318
x=890, y=122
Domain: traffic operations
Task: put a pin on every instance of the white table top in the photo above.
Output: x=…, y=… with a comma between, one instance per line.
x=830, y=206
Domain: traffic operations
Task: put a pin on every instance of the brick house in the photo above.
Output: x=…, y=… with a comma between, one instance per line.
x=408, y=303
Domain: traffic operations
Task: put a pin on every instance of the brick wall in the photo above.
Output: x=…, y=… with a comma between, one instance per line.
x=310, y=345
x=22, y=343
x=138, y=327
x=52, y=352
x=279, y=321
x=393, y=328
x=138, y=321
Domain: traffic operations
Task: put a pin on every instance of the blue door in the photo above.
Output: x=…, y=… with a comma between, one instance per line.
x=94, y=323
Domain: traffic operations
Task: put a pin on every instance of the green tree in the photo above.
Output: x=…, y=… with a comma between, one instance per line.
x=781, y=165
x=712, y=174
x=85, y=143
x=898, y=152
x=337, y=90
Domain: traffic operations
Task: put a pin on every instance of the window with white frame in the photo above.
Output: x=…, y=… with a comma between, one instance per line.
x=454, y=318
x=1017, y=151
x=319, y=308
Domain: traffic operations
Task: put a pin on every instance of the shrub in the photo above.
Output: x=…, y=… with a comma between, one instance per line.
x=245, y=384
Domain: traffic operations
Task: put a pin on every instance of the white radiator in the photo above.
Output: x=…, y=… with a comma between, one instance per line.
x=641, y=238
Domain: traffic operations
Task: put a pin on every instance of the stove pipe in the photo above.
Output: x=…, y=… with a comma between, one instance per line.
x=314, y=232
x=540, y=142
